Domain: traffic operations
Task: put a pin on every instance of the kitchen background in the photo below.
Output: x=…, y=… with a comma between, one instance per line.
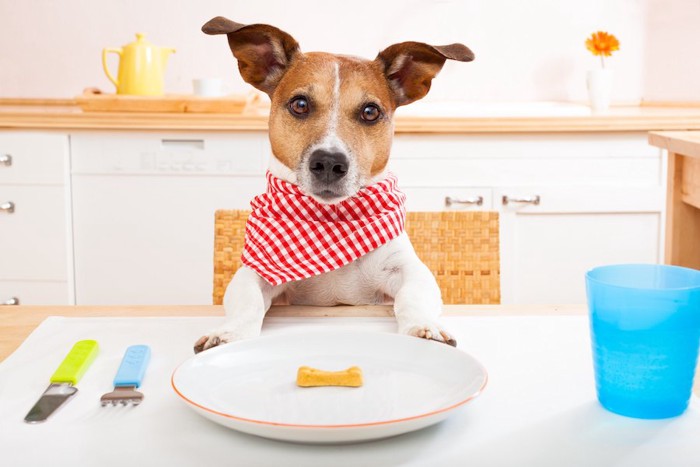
x=118, y=207
x=526, y=50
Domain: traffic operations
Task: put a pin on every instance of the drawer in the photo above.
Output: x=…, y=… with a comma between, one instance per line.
x=584, y=199
x=524, y=146
x=33, y=237
x=32, y=158
x=141, y=153
x=35, y=292
x=448, y=198
x=437, y=171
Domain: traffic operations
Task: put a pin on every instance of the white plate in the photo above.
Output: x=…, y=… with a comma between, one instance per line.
x=250, y=386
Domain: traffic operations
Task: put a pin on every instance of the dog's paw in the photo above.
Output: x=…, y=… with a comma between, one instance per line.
x=218, y=337
x=431, y=331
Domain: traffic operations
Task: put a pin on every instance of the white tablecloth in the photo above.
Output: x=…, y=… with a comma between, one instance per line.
x=539, y=407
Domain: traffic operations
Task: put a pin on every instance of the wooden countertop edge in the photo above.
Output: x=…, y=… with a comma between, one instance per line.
x=252, y=122
x=17, y=322
x=686, y=143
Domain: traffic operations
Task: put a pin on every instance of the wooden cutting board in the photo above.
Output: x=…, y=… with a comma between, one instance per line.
x=173, y=103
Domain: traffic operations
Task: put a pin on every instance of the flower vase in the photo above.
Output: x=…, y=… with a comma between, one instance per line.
x=600, y=83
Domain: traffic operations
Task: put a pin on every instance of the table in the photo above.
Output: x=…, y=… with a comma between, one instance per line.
x=539, y=406
x=17, y=322
x=682, y=196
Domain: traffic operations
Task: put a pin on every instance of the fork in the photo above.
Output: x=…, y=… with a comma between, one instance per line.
x=129, y=377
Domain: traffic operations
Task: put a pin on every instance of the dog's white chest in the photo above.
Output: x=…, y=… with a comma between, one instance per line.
x=364, y=281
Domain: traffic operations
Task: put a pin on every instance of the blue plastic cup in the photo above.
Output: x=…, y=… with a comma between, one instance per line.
x=645, y=334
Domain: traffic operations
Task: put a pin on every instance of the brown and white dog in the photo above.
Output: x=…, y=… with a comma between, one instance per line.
x=334, y=114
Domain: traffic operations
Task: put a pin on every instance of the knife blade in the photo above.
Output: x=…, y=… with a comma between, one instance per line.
x=63, y=381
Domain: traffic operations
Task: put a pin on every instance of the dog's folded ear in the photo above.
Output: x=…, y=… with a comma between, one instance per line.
x=263, y=51
x=410, y=66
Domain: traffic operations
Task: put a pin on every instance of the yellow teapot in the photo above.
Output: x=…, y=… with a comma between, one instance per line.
x=141, y=67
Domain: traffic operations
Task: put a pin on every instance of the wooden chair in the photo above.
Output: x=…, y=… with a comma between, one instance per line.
x=460, y=248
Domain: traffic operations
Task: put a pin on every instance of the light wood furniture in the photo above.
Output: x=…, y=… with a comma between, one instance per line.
x=17, y=322
x=460, y=248
x=92, y=102
x=682, y=196
x=65, y=114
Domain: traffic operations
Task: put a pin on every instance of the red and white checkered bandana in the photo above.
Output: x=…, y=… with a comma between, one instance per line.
x=290, y=236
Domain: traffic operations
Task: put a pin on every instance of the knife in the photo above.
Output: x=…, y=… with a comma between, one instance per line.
x=63, y=381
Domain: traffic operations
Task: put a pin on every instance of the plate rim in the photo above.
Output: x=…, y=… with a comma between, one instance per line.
x=335, y=426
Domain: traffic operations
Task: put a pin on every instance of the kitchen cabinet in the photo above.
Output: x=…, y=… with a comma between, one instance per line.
x=567, y=202
x=141, y=210
x=35, y=238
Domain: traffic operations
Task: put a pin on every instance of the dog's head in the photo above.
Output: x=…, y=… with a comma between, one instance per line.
x=331, y=116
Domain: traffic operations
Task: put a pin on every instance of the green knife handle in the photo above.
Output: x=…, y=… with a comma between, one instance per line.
x=76, y=362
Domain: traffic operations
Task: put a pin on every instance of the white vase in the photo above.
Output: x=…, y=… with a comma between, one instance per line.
x=600, y=83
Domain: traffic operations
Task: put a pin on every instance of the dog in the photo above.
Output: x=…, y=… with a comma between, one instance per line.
x=331, y=129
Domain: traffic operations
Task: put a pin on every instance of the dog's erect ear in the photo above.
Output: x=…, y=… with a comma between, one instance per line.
x=263, y=52
x=410, y=66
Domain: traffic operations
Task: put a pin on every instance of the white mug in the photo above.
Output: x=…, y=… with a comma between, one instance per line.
x=207, y=87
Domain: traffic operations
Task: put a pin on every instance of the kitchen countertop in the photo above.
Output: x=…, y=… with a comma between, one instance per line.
x=421, y=117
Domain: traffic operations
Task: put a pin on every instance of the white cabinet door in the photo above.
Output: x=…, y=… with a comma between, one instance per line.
x=547, y=248
x=34, y=235
x=35, y=292
x=33, y=158
x=35, y=238
x=150, y=239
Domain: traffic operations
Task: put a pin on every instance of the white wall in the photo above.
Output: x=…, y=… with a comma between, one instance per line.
x=672, y=55
x=526, y=49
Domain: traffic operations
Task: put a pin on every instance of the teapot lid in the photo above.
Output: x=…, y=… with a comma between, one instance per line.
x=139, y=42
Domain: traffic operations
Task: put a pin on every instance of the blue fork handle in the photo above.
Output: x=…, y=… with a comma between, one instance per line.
x=133, y=366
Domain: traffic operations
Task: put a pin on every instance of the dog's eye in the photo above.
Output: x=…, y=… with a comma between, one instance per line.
x=299, y=106
x=370, y=113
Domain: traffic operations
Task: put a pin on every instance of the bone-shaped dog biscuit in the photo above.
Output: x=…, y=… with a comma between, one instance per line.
x=311, y=377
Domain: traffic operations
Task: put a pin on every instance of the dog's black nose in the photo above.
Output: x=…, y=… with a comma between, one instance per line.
x=328, y=166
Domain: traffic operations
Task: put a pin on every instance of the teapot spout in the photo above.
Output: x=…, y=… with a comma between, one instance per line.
x=165, y=53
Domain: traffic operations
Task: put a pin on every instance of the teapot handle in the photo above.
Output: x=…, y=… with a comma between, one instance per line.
x=104, y=63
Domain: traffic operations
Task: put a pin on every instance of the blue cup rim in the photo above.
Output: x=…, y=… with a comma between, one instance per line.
x=589, y=276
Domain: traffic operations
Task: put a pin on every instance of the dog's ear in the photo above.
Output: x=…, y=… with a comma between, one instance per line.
x=410, y=67
x=263, y=52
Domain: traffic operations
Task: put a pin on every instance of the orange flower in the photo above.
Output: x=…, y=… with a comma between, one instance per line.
x=603, y=44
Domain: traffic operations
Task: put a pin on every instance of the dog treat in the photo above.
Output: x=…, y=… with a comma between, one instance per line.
x=308, y=377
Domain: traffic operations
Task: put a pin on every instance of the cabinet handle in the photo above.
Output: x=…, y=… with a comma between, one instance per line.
x=11, y=301
x=524, y=200
x=6, y=160
x=474, y=200
x=8, y=207
x=182, y=144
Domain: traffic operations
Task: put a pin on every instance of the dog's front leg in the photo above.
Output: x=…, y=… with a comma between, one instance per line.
x=247, y=299
x=418, y=304
x=417, y=297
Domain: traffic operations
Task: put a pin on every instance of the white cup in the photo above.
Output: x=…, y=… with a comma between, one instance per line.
x=207, y=87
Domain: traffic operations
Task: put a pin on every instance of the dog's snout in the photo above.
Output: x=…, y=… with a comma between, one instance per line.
x=328, y=166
